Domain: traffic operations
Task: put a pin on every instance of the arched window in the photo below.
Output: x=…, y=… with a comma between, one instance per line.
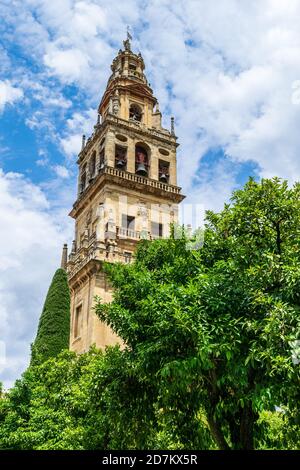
x=120, y=157
x=135, y=113
x=141, y=160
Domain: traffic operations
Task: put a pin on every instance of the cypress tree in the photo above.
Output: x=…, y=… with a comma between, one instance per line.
x=54, y=324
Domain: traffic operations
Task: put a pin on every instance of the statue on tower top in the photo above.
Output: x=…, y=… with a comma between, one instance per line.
x=126, y=43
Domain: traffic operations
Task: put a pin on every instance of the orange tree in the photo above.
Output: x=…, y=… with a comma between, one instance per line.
x=211, y=332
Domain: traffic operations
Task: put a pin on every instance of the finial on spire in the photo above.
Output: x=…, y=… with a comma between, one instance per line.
x=64, y=257
x=98, y=121
x=83, y=142
x=172, y=126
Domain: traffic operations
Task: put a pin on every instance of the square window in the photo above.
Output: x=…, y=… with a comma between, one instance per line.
x=128, y=222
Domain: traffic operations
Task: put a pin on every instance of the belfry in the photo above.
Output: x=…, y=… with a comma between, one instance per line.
x=127, y=191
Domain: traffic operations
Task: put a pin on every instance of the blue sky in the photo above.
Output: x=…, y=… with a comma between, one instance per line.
x=229, y=74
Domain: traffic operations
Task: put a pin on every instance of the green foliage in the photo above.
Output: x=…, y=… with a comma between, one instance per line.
x=45, y=407
x=210, y=341
x=277, y=432
x=54, y=325
x=211, y=329
x=87, y=401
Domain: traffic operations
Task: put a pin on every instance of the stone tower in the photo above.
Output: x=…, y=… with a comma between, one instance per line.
x=127, y=190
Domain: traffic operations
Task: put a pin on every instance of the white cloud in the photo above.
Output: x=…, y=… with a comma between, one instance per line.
x=88, y=19
x=229, y=78
x=68, y=64
x=71, y=145
x=31, y=238
x=42, y=92
x=61, y=171
x=40, y=121
x=77, y=125
x=9, y=94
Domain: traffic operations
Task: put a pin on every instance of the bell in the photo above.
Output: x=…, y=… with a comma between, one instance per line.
x=120, y=163
x=141, y=170
x=163, y=178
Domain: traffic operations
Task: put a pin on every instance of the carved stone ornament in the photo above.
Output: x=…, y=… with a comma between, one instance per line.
x=142, y=211
x=116, y=103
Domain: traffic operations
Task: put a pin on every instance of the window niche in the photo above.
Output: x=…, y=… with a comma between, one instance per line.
x=163, y=171
x=135, y=113
x=120, y=157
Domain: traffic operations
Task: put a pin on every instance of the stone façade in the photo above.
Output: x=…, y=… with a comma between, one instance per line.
x=127, y=190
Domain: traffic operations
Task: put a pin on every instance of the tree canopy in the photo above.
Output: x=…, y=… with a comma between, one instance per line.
x=212, y=329
x=54, y=326
x=210, y=344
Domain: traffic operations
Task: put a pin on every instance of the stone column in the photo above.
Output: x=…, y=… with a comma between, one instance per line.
x=131, y=156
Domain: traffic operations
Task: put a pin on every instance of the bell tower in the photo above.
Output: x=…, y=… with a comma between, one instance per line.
x=127, y=191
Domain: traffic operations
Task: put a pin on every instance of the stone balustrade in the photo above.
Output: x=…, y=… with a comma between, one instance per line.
x=140, y=179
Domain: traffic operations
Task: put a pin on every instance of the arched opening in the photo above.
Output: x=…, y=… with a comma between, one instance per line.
x=120, y=157
x=163, y=171
x=142, y=154
x=135, y=113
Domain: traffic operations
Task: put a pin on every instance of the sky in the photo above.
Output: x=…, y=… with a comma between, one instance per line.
x=228, y=71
